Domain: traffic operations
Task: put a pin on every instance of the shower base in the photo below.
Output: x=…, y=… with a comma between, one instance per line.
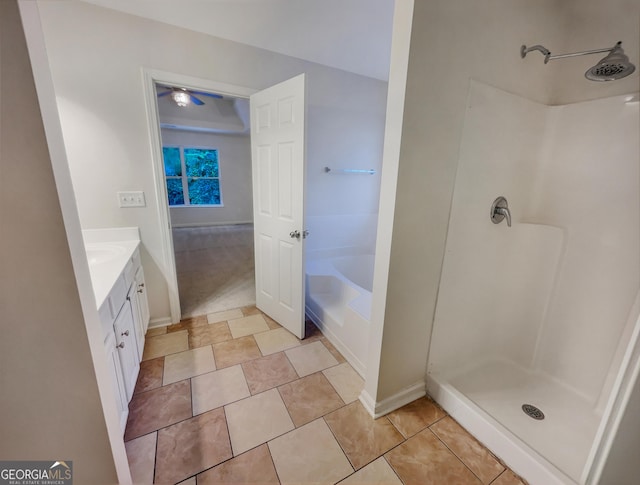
x=488, y=400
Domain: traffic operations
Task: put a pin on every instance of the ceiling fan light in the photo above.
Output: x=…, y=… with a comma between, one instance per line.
x=181, y=98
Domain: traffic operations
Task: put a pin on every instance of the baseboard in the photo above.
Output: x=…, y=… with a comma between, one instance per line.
x=160, y=322
x=208, y=224
x=396, y=401
x=368, y=402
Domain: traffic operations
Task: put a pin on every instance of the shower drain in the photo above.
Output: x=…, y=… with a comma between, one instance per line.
x=532, y=411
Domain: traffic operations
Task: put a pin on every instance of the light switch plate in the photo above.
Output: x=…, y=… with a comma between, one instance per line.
x=131, y=199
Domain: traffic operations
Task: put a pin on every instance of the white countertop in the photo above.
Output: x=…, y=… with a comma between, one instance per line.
x=108, y=251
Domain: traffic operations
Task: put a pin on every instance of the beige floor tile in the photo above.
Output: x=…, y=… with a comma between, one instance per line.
x=256, y=420
x=188, y=481
x=208, y=335
x=416, y=416
x=338, y=356
x=165, y=345
x=241, y=327
x=215, y=389
x=307, y=359
x=276, y=340
x=376, y=473
x=155, y=409
x=508, y=478
x=225, y=315
x=477, y=458
x=271, y=322
x=154, y=331
x=150, y=375
x=250, y=310
x=321, y=462
x=268, y=372
x=187, y=323
x=309, y=398
x=184, y=365
x=235, y=351
x=253, y=467
x=192, y=446
x=423, y=458
x=362, y=438
x=141, y=453
x=346, y=381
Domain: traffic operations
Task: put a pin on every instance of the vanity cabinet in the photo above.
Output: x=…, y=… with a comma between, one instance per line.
x=125, y=317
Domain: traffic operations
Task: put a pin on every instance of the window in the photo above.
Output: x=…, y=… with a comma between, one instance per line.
x=193, y=176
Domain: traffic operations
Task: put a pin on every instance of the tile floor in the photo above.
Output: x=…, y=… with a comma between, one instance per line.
x=215, y=267
x=234, y=398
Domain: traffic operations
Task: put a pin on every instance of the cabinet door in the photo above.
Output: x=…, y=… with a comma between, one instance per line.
x=143, y=303
x=133, y=300
x=115, y=369
x=127, y=349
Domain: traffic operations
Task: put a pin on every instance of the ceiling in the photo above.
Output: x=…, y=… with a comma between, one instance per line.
x=353, y=35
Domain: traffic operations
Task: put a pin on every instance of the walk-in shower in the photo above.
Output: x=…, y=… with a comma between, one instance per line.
x=536, y=326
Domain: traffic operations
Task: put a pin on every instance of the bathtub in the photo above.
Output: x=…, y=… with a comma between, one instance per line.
x=338, y=301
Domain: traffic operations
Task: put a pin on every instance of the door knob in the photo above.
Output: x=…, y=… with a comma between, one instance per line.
x=294, y=234
x=500, y=210
x=305, y=233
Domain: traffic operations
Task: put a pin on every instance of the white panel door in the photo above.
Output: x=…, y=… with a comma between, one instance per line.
x=278, y=164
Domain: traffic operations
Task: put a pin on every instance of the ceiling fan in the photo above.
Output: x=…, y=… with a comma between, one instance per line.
x=183, y=96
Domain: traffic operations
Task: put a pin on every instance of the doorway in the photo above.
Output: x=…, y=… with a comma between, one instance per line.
x=278, y=162
x=162, y=78
x=206, y=154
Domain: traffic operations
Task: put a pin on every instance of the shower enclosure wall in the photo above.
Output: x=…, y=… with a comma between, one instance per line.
x=542, y=312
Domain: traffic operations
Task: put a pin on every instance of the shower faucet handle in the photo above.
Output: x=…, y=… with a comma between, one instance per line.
x=500, y=210
x=504, y=212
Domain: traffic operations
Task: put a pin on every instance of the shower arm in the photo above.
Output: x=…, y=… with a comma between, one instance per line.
x=524, y=50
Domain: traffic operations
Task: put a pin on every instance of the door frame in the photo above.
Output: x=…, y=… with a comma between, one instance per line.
x=150, y=77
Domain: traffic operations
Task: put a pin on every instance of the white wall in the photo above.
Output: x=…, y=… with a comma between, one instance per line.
x=50, y=403
x=496, y=280
x=588, y=184
x=234, y=158
x=96, y=56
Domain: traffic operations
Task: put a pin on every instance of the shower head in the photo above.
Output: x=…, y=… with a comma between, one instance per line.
x=614, y=66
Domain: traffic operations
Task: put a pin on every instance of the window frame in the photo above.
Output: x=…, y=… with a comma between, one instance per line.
x=185, y=178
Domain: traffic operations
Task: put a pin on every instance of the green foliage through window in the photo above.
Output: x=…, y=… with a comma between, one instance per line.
x=174, y=189
x=192, y=176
